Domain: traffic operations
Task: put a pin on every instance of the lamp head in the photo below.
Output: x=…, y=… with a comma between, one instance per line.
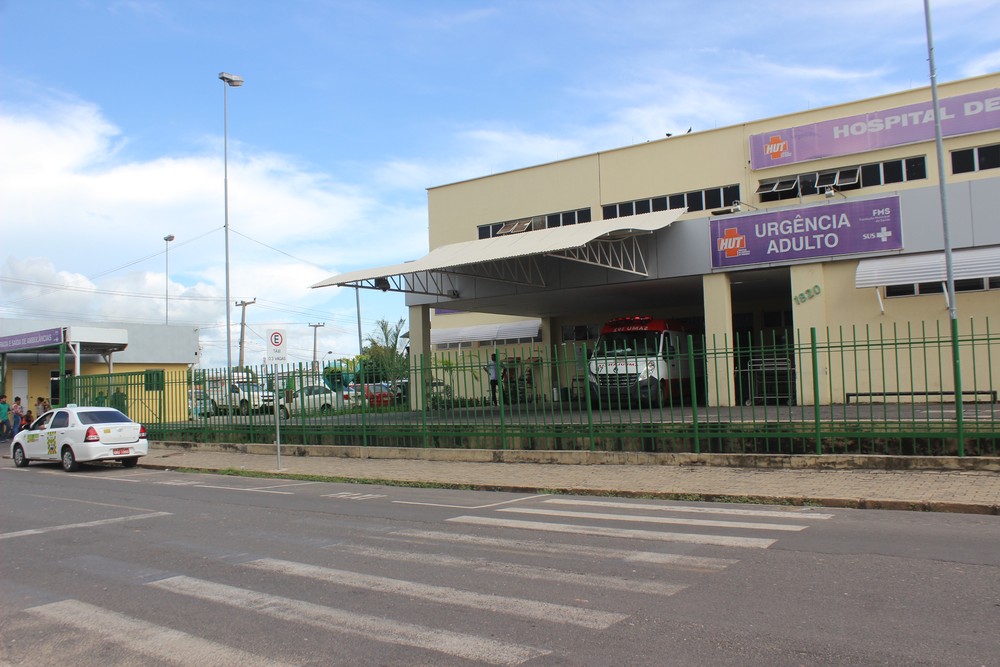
x=234, y=80
x=168, y=238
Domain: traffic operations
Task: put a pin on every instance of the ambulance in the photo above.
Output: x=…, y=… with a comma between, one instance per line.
x=640, y=361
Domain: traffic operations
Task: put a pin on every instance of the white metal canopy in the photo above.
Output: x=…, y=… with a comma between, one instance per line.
x=611, y=244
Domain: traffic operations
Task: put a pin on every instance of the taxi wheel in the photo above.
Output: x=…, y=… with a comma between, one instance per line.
x=20, y=460
x=69, y=463
x=130, y=462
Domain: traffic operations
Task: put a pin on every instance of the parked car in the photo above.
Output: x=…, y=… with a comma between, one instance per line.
x=200, y=404
x=435, y=390
x=352, y=398
x=243, y=397
x=316, y=398
x=378, y=394
x=401, y=390
x=76, y=434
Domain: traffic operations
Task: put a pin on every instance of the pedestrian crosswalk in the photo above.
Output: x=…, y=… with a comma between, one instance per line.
x=540, y=566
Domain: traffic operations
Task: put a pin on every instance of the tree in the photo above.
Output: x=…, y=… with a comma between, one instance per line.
x=383, y=353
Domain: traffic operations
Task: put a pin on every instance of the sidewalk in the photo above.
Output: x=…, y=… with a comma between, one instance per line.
x=974, y=492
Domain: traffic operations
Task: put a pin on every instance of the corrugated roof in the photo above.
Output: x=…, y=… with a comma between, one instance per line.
x=499, y=248
x=927, y=267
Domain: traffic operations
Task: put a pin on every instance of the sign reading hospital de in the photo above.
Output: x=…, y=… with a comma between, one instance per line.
x=963, y=114
x=849, y=227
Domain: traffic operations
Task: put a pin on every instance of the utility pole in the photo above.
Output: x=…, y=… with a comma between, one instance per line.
x=243, y=325
x=315, y=328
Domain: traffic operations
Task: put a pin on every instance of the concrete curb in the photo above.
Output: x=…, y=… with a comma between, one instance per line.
x=576, y=457
x=796, y=501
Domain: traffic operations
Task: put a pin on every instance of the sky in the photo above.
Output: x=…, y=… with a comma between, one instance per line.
x=112, y=133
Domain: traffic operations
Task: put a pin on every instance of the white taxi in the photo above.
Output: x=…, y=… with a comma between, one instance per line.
x=75, y=434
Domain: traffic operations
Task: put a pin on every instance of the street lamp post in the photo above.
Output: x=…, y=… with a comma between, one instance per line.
x=166, y=282
x=234, y=81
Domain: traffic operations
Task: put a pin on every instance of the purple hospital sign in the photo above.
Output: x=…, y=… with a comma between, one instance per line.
x=963, y=114
x=843, y=228
x=31, y=340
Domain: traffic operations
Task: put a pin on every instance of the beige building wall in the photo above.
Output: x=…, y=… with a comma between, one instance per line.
x=720, y=369
x=456, y=210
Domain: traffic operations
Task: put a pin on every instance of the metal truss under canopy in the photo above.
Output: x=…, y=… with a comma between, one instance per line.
x=514, y=258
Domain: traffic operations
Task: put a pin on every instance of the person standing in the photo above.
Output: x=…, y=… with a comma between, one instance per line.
x=16, y=416
x=491, y=371
x=39, y=405
x=4, y=418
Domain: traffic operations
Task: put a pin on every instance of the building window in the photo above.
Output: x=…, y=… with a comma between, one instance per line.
x=458, y=345
x=844, y=178
x=155, y=380
x=713, y=198
x=975, y=159
x=900, y=290
x=695, y=200
x=939, y=287
x=916, y=168
x=534, y=223
x=970, y=285
x=580, y=332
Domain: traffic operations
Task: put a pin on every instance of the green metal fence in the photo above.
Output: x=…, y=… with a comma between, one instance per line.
x=846, y=390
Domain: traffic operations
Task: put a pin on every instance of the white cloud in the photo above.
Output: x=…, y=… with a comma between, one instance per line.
x=985, y=64
x=85, y=211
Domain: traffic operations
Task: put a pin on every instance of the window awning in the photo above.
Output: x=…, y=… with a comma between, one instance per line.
x=513, y=258
x=487, y=332
x=927, y=267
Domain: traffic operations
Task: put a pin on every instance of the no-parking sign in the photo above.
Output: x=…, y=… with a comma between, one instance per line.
x=276, y=345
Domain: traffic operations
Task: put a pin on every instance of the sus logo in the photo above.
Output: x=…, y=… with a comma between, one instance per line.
x=732, y=243
x=776, y=147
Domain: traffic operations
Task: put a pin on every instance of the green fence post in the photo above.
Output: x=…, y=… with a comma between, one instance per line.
x=418, y=391
x=817, y=420
x=959, y=406
x=694, y=394
x=503, y=379
x=588, y=399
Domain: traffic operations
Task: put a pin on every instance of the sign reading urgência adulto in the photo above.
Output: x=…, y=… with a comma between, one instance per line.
x=962, y=114
x=843, y=228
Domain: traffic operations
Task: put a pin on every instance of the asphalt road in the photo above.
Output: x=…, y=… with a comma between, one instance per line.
x=141, y=567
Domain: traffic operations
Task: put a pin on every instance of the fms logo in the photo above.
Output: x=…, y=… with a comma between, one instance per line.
x=776, y=148
x=732, y=243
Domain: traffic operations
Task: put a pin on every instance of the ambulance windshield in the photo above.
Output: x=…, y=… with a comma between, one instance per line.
x=628, y=344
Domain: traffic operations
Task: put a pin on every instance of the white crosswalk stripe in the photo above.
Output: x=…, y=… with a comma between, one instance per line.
x=620, y=533
x=150, y=640
x=677, y=561
x=384, y=630
x=705, y=523
x=797, y=513
x=533, y=609
x=493, y=567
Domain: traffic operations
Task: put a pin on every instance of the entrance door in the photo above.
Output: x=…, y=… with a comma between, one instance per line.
x=20, y=386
